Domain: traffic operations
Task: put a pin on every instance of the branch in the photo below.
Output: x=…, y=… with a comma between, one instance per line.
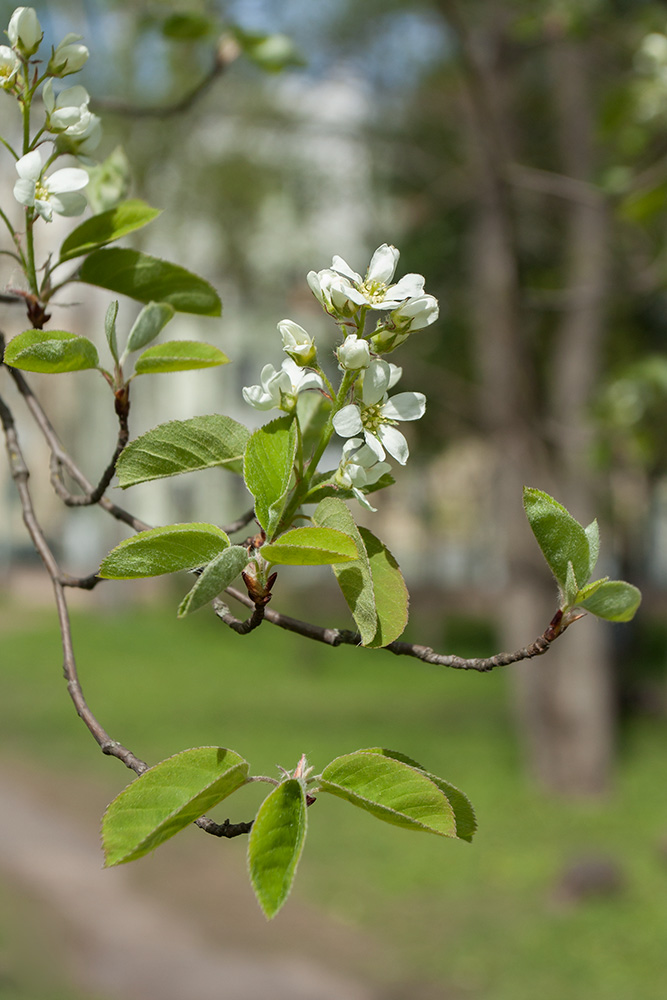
x=340, y=637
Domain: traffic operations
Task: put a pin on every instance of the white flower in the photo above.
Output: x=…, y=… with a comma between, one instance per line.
x=297, y=343
x=67, y=109
x=25, y=32
x=281, y=388
x=69, y=57
x=376, y=414
x=354, y=353
x=334, y=293
x=375, y=289
x=359, y=467
x=9, y=66
x=416, y=313
x=57, y=193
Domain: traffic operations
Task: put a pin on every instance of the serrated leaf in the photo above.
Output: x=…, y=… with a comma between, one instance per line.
x=354, y=578
x=310, y=547
x=181, y=446
x=51, y=352
x=275, y=844
x=167, y=798
x=391, y=790
x=149, y=279
x=164, y=550
x=593, y=535
x=561, y=538
x=148, y=324
x=391, y=594
x=106, y=227
x=216, y=576
x=571, y=586
x=464, y=814
x=110, y=328
x=267, y=468
x=178, y=356
x=614, y=600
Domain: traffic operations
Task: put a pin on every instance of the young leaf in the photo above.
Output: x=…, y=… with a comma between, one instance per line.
x=50, y=351
x=593, y=535
x=216, y=576
x=183, y=446
x=571, y=587
x=179, y=356
x=590, y=589
x=310, y=547
x=267, y=468
x=464, y=814
x=164, y=550
x=167, y=798
x=150, y=321
x=354, y=578
x=561, y=538
x=110, y=328
x=391, y=790
x=275, y=844
x=107, y=227
x=149, y=279
x=391, y=594
x=615, y=600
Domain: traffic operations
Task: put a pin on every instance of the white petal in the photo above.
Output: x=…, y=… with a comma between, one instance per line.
x=67, y=179
x=378, y=470
x=30, y=166
x=309, y=380
x=394, y=442
x=395, y=373
x=48, y=96
x=68, y=203
x=383, y=264
x=347, y=422
x=362, y=500
x=76, y=96
x=376, y=381
x=255, y=396
x=409, y=286
x=45, y=209
x=405, y=406
x=342, y=267
x=374, y=445
x=24, y=192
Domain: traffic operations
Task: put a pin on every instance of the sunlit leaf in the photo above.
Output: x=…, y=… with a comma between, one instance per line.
x=178, y=356
x=50, y=351
x=614, y=600
x=107, y=227
x=310, y=547
x=561, y=538
x=219, y=573
x=164, y=550
x=268, y=468
x=275, y=844
x=391, y=593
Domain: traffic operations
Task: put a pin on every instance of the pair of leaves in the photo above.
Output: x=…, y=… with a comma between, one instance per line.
x=372, y=584
x=572, y=552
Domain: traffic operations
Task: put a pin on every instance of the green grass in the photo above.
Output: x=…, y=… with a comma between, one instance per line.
x=480, y=918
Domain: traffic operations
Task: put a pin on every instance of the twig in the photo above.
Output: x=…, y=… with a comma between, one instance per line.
x=243, y=628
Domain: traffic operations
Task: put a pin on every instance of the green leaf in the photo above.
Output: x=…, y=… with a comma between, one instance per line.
x=590, y=589
x=272, y=53
x=614, y=600
x=268, y=467
x=149, y=279
x=164, y=550
x=51, y=351
x=354, y=578
x=312, y=410
x=110, y=328
x=275, y=844
x=179, y=356
x=183, y=446
x=166, y=799
x=464, y=814
x=391, y=790
x=216, y=576
x=571, y=587
x=391, y=594
x=148, y=324
x=310, y=547
x=107, y=227
x=593, y=535
x=188, y=26
x=561, y=538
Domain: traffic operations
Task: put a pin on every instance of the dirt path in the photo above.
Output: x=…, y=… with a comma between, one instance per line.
x=125, y=942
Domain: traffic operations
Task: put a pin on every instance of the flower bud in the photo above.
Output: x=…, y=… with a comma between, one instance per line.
x=68, y=58
x=25, y=32
x=297, y=344
x=354, y=353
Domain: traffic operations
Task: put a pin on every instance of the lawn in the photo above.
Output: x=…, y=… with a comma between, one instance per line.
x=483, y=919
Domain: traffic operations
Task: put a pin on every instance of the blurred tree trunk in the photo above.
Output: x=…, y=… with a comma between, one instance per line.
x=564, y=703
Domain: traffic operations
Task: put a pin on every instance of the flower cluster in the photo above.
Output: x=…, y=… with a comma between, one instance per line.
x=361, y=411
x=75, y=129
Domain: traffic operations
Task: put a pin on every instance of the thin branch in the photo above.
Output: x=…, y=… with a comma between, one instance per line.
x=243, y=628
x=240, y=522
x=340, y=637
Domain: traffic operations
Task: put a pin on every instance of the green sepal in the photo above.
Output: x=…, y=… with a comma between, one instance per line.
x=167, y=798
x=310, y=546
x=275, y=844
x=391, y=790
x=164, y=550
x=181, y=446
x=50, y=352
x=179, y=356
x=106, y=227
x=268, y=468
x=214, y=578
x=149, y=279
